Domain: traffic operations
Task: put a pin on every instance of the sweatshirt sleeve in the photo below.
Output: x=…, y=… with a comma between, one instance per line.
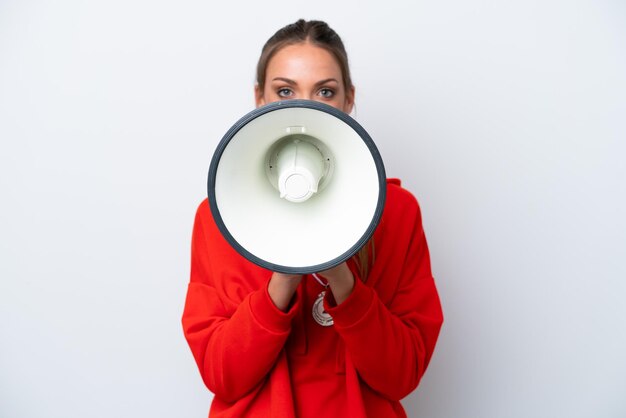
x=391, y=342
x=234, y=330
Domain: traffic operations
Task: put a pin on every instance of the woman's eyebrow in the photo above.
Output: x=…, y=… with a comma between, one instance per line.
x=286, y=80
x=328, y=80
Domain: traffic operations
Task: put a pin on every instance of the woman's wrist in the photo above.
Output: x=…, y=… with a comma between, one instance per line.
x=340, y=280
x=281, y=289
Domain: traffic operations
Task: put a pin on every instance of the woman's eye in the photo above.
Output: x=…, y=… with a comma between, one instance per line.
x=327, y=93
x=284, y=92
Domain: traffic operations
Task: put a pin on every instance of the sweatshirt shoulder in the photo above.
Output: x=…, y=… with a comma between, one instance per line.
x=203, y=209
x=399, y=197
x=204, y=205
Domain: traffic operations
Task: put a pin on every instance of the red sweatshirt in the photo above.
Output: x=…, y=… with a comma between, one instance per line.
x=262, y=362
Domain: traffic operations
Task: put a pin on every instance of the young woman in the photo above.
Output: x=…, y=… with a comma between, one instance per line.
x=258, y=348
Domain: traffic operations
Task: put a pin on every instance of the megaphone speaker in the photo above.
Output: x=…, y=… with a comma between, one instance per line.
x=296, y=186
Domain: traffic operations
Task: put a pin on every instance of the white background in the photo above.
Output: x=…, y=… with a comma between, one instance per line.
x=506, y=119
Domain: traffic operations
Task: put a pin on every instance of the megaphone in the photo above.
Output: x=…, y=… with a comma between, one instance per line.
x=296, y=186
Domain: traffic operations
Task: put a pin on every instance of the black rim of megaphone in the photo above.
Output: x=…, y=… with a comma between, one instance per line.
x=295, y=103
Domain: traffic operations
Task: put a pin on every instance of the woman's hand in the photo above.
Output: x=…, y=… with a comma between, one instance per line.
x=341, y=281
x=282, y=286
x=281, y=289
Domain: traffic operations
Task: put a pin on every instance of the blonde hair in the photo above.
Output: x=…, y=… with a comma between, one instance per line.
x=365, y=259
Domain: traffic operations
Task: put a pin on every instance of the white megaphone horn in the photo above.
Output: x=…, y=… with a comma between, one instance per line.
x=296, y=186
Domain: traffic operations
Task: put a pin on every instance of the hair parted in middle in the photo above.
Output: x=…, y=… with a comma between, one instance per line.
x=317, y=33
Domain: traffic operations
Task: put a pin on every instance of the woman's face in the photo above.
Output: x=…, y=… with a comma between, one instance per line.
x=305, y=71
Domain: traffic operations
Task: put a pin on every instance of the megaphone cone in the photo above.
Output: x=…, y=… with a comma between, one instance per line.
x=296, y=186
